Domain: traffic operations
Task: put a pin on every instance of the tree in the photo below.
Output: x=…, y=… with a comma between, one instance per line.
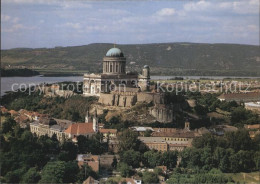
x=14, y=176
x=152, y=159
x=131, y=157
x=31, y=176
x=201, y=110
x=128, y=140
x=71, y=171
x=147, y=133
x=124, y=169
x=169, y=159
x=239, y=140
x=8, y=125
x=68, y=151
x=150, y=177
x=114, y=163
x=53, y=172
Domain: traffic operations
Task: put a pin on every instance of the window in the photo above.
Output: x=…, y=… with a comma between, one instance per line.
x=110, y=67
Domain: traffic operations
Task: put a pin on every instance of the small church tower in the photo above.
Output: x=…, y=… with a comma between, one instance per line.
x=95, y=121
x=187, y=125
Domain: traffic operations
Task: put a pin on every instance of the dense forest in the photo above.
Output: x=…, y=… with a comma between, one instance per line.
x=164, y=58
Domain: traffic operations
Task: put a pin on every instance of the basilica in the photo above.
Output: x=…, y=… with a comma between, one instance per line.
x=117, y=87
x=115, y=77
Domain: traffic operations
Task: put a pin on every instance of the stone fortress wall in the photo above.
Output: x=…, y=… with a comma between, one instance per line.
x=161, y=112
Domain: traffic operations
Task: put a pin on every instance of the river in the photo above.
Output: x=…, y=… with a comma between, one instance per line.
x=13, y=83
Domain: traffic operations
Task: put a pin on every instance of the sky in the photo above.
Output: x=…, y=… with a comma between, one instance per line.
x=51, y=23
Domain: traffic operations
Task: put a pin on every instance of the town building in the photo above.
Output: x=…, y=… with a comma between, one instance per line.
x=164, y=139
x=48, y=127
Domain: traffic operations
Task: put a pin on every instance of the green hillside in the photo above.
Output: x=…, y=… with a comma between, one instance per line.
x=164, y=58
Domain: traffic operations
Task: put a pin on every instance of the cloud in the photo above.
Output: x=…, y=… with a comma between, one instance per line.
x=5, y=18
x=17, y=27
x=30, y=1
x=166, y=12
x=197, y=6
x=71, y=25
x=15, y=19
x=238, y=7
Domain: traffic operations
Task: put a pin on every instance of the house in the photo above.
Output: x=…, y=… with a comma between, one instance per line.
x=90, y=160
x=108, y=133
x=132, y=180
x=13, y=113
x=90, y=180
x=253, y=130
x=251, y=127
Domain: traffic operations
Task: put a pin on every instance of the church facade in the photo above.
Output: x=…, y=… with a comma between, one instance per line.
x=114, y=77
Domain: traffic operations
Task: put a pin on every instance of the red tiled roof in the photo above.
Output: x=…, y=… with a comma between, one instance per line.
x=256, y=126
x=113, y=131
x=13, y=112
x=80, y=128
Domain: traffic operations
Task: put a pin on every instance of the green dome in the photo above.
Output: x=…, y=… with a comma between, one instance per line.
x=114, y=52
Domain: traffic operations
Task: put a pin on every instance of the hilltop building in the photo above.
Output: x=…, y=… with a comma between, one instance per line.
x=117, y=87
x=115, y=77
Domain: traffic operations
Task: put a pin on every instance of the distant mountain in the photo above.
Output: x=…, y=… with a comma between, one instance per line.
x=163, y=58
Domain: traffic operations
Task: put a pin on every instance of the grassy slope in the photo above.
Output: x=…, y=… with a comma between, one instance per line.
x=163, y=58
x=252, y=177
